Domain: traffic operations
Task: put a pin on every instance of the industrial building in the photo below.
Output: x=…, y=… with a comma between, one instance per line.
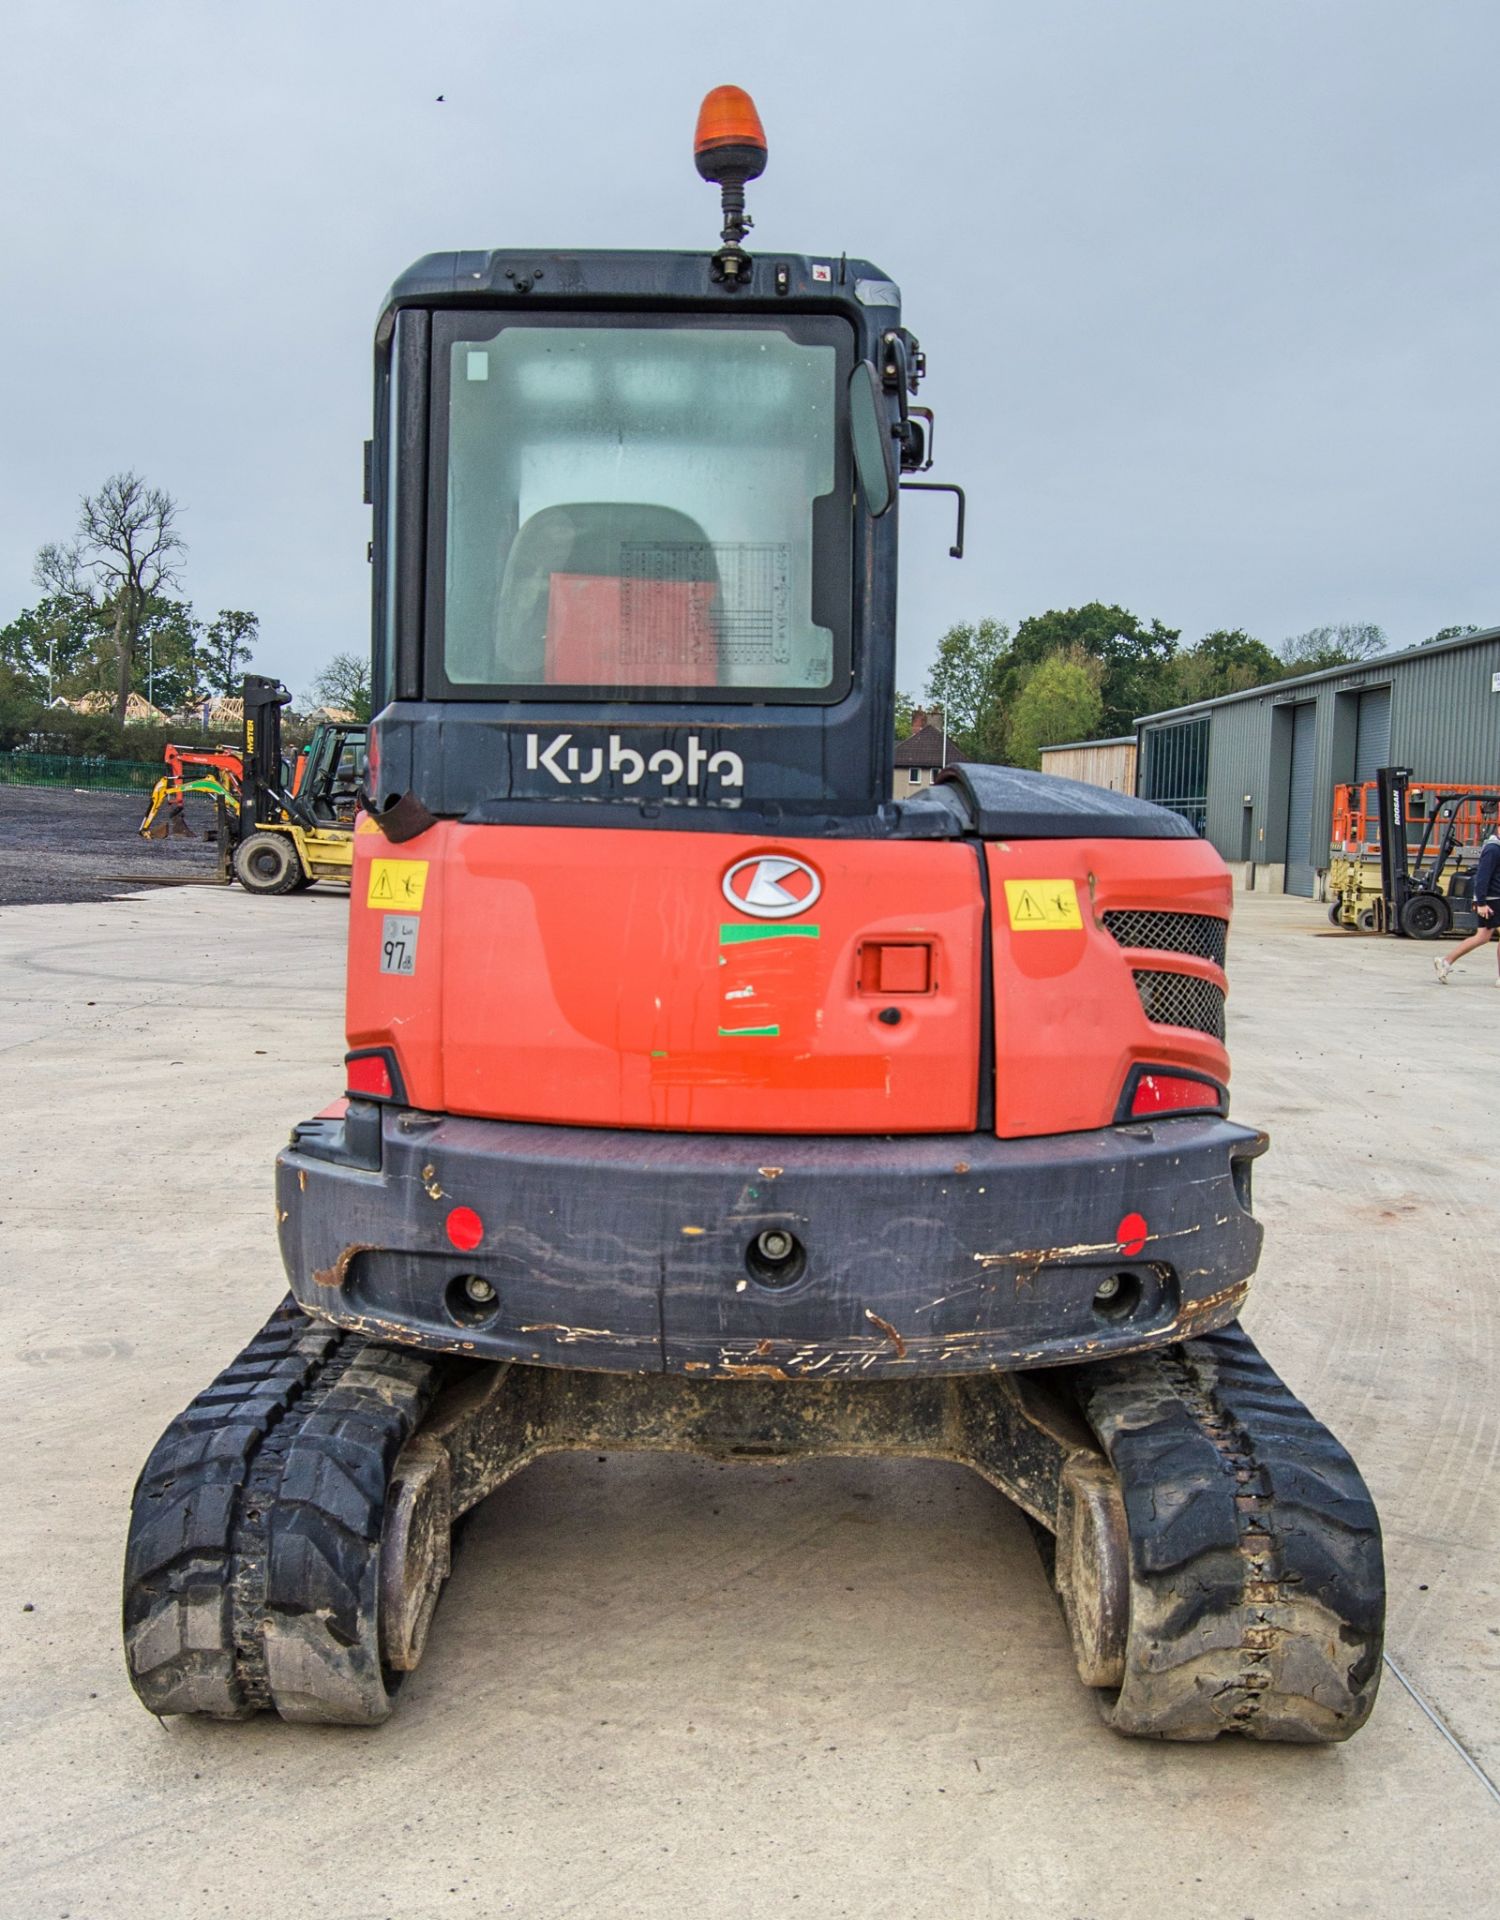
x=1255, y=771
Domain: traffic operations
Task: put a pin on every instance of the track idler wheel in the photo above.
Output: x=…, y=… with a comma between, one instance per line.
x=1254, y=1599
x=286, y=1550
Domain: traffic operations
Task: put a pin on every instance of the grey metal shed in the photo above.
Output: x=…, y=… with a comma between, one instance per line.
x=1255, y=771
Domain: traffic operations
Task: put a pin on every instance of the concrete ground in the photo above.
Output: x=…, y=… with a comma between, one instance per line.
x=663, y=1687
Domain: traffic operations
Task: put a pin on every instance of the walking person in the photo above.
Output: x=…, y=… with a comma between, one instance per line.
x=1486, y=907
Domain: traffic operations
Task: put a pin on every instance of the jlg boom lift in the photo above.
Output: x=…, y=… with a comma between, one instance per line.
x=700, y=1096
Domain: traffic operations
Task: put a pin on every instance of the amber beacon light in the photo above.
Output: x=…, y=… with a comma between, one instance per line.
x=730, y=148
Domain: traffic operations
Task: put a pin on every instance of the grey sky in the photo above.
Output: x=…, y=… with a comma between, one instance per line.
x=1209, y=292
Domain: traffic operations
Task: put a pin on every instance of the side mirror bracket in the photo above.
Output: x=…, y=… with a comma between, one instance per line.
x=956, y=551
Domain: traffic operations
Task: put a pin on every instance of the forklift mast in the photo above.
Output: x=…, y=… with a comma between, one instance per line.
x=1395, y=874
x=262, y=796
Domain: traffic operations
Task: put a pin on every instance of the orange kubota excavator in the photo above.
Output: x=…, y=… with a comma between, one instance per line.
x=698, y=1095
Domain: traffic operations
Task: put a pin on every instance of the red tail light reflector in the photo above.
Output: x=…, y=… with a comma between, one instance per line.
x=1161, y=1092
x=370, y=1074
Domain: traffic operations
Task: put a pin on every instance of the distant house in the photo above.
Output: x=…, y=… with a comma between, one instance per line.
x=138, y=712
x=336, y=716
x=920, y=758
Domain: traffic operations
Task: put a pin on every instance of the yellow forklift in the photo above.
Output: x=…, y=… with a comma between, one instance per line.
x=280, y=826
x=290, y=832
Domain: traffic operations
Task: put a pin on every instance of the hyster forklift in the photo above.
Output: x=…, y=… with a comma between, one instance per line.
x=281, y=827
x=1421, y=887
x=292, y=832
x=1414, y=874
x=698, y=1095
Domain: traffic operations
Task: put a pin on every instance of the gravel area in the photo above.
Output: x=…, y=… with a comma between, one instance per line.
x=58, y=844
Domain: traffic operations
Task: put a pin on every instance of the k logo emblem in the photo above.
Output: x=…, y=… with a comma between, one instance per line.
x=771, y=886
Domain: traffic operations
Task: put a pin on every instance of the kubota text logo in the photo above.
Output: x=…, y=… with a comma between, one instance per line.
x=569, y=764
x=771, y=886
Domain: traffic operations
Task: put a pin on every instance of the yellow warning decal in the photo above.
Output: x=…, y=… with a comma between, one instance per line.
x=397, y=883
x=1043, y=906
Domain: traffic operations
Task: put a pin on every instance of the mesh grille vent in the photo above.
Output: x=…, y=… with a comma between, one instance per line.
x=1195, y=933
x=1181, y=1000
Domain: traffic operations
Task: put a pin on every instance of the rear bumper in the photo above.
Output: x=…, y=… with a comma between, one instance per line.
x=634, y=1251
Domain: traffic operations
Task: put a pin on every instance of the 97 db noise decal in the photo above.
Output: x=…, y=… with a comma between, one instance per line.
x=398, y=942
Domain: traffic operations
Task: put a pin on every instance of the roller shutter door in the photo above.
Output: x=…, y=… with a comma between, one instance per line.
x=1372, y=733
x=1301, y=873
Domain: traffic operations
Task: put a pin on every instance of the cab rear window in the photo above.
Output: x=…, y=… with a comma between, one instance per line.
x=641, y=510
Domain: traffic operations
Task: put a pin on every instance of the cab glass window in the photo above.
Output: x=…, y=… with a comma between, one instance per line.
x=641, y=510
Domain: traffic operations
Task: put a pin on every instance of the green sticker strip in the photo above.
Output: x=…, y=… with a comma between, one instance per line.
x=737, y=936
x=749, y=1033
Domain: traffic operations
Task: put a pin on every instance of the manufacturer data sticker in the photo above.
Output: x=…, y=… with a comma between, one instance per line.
x=397, y=883
x=1043, y=906
x=398, y=942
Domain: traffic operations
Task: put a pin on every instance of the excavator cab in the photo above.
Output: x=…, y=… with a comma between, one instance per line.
x=698, y=1094
x=637, y=565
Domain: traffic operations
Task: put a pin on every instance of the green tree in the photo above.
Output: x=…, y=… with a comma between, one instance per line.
x=962, y=678
x=45, y=645
x=167, y=669
x=164, y=670
x=1448, y=633
x=225, y=650
x=344, y=682
x=21, y=706
x=1337, y=646
x=1060, y=699
x=1225, y=661
x=1134, y=659
x=906, y=706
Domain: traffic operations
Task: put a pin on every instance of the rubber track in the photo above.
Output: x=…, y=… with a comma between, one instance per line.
x=1257, y=1584
x=251, y=1570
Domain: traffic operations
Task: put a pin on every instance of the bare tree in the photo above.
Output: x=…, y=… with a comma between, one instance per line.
x=129, y=549
x=344, y=684
x=58, y=571
x=1335, y=646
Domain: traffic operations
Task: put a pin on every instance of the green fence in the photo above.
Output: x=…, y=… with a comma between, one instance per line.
x=66, y=770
